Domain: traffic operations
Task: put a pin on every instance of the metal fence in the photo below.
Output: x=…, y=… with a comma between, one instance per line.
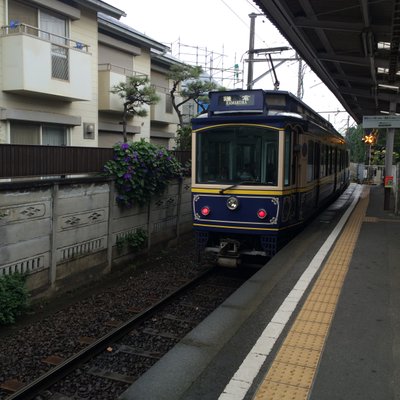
x=18, y=161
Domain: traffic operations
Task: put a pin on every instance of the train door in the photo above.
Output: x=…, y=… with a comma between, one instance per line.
x=290, y=202
x=296, y=170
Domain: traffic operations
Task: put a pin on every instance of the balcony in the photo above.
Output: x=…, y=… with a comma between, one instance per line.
x=109, y=76
x=38, y=63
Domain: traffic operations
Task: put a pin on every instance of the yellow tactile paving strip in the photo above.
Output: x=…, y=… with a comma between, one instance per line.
x=292, y=373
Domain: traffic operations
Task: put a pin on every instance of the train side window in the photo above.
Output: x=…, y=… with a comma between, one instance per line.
x=317, y=156
x=288, y=157
x=322, y=161
x=326, y=160
x=271, y=163
x=310, y=161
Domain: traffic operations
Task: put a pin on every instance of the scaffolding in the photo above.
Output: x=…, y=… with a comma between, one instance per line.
x=212, y=63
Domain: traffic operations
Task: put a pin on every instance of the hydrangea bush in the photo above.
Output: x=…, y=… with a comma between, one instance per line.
x=141, y=169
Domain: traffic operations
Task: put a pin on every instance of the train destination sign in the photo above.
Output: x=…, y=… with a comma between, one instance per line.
x=237, y=99
x=381, y=121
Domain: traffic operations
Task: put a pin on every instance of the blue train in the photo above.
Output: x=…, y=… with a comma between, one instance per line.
x=263, y=164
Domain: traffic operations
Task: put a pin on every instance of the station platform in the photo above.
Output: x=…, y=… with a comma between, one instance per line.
x=320, y=321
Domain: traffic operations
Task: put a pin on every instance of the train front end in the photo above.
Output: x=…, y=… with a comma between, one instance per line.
x=236, y=180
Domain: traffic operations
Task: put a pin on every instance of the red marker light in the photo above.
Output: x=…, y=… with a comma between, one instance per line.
x=205, y=211
x=261, y=213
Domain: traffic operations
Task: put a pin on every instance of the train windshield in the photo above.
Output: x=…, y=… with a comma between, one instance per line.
x=237, y=154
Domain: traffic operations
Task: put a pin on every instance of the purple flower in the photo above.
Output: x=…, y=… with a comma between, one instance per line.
x=127, y=176
x=124, y=146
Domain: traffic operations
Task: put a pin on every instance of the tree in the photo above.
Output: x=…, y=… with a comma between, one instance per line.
x=135, y=92
x=359, y=149
x=357, y=146
x=195, y=89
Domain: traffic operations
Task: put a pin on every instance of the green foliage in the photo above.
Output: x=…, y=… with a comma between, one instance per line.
x=359, y=150
x=13, y=297
x=357, y=146
x=378, y=157
x=183, y=72
x=135, y=92
x=187, y=168
x=141, y=169
x=135, y=241
x=184, y=138
x=195, y=89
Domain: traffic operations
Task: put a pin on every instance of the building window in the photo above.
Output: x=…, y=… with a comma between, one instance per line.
x=168, y=104
x=48, y=26
x=55, y=29
x=24, y=133
x=59, y=62
x=35, y=133
x=24, y=14
x=54, y=135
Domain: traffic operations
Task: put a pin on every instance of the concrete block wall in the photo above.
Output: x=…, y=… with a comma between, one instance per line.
x=64, y=233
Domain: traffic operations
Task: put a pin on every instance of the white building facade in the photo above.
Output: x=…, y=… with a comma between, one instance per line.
x=58, y=62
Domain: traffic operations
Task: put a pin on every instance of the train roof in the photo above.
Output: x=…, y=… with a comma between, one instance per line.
x=267, y=103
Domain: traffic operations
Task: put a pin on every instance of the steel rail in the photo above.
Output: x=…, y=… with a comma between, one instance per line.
x=66, y=367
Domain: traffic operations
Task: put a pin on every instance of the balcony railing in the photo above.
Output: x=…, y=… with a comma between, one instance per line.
x=120, y=70
x=62, y=41
x=40, y=62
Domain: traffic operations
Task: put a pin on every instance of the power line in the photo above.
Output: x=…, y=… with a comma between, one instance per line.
x=230, y=8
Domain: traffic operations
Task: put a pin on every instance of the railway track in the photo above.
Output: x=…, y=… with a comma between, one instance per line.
x=106, y=366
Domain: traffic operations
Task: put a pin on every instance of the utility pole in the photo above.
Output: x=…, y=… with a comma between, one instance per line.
x=300, y=85
x=251, y=51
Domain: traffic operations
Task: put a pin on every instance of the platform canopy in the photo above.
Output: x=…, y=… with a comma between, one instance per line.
x=352, y=45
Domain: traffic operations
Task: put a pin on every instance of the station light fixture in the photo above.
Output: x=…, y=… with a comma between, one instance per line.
x=370, y=138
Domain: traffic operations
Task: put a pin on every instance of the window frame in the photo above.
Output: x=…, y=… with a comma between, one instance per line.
x=40, y=127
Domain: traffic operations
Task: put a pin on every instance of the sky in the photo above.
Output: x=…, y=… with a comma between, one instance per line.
x=216, y=33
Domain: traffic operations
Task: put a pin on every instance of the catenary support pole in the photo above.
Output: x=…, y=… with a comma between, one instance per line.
x=251, y=51
x=389, y=157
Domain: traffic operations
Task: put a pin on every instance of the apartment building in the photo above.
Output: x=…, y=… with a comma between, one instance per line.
x=123, y=52
x=59, y=59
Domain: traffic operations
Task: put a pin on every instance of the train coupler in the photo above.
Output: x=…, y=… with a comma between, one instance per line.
x=228, y=255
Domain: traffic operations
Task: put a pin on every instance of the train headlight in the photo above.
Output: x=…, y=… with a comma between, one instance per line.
x=205, y=211
x=232, y=203
x=261, y=213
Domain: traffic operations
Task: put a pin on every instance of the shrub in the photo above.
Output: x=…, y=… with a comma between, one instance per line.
x=141, y=170
x=135, y=241
x=13, y=297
